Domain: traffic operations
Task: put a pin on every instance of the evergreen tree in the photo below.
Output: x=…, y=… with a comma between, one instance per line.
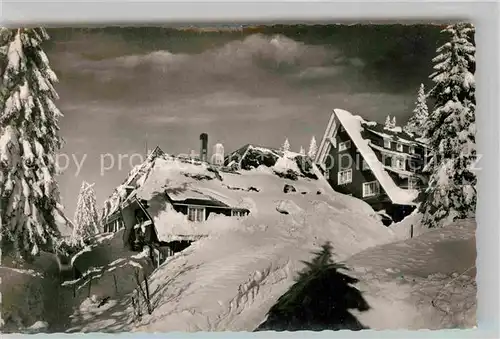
x=393, y=122
x=286, y=146
x=417, y=123
x=451, y=130
x=388, y=122
x=313, y=148
x=319, y=300
x=86, y=216
x=29, y=140
x=302, y=151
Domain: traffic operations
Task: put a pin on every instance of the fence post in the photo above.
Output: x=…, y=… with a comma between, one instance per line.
x=146, y=285
x=116, y=285
x=411, y=231
x=90, y=286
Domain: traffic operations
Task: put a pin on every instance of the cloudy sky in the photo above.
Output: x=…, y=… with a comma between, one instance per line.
x=122, y=86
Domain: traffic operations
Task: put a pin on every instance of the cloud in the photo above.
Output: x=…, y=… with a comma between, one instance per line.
x=235, y=60
x=320, y=72
x=357, y=62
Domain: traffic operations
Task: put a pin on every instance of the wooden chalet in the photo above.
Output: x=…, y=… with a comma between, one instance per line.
x=135, y=216
x=370, y=162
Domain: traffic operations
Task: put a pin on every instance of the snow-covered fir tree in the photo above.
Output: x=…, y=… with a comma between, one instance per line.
x=302, y=151
x=286, y=146
x=313, y=148
x=86, y=216
x=393, y=122
x=388, y=122
x=29, y=140
x=451, y=130
x=417, y=123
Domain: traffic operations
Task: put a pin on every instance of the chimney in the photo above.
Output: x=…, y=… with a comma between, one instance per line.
x=204, y=147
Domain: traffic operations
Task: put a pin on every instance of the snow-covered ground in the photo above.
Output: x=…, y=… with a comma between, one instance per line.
x=237, y=269
x=229, y=279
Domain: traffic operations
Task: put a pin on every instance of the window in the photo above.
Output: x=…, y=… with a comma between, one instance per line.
x=412, y=149
x=364, y=165
x=387, y=143
x=236, y=213
x=196, y=213
x=344, y=145
x=412, y=183
x=398, y=163
x=399, y=147
x=370, y=189
x=345, y=177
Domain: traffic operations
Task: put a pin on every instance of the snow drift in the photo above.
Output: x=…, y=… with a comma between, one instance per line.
x=427, y=282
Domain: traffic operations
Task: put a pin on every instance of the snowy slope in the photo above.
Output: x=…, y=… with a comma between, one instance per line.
x=427, y=282
x=230, y=278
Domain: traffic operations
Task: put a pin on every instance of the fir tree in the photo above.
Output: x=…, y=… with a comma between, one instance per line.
x=313, y=148
x=86, y=217
x=451, y=130
x=393, y=122
x=388, y=122
x=29, y=140
x=319, y=300
x=417, y=123
x=286, y=146
x=302, y=151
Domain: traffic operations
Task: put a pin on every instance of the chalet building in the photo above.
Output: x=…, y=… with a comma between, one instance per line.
x=135, y=216
x=370, y=162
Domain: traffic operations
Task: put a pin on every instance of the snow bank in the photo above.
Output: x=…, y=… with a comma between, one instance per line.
x=172, y=225
x=107, y=268
x=402, y=229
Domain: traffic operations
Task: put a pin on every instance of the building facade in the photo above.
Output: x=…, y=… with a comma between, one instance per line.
x=378, y=165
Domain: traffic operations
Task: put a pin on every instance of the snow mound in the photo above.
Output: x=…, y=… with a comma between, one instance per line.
x=37, y=327
x=107, y=268
x=288, y=207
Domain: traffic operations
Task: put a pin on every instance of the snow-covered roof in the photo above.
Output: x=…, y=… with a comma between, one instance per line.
x=354, y=126
x=136, y=178
x=396, y=134
x=238, y=155
x=388, y=151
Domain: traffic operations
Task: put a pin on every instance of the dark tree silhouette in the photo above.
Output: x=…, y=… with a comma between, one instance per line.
x=319, y=300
